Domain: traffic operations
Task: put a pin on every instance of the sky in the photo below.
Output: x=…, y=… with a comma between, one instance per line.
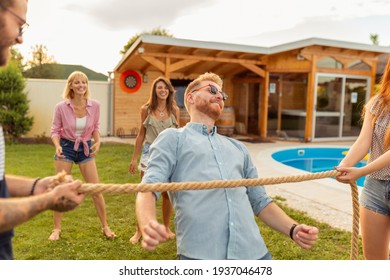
x=92, y=32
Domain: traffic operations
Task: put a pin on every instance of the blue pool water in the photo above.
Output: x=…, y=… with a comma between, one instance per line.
x=314, y=159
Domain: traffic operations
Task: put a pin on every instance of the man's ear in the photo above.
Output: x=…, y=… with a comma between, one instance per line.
x=190, y=98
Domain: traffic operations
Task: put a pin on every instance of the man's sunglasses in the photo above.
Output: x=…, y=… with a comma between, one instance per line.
x=213, y=90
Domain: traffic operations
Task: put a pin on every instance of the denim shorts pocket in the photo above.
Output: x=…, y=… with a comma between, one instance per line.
x=64, y=142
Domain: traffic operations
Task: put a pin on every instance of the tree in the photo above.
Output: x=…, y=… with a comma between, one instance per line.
x=156, y=31
x=17, y=58
x=14, y=104
x=374, y=39
x=39, y=58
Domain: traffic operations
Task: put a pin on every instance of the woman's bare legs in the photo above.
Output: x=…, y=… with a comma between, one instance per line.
x=375, y=234
x=90, y=174
x=137, y=235
x=59, y=166
x=167, y=213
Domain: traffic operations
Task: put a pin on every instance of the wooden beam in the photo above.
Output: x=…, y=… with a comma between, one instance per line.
x=254, y=69
x=228, y=69
x=235, y=71
x=336, y=53
x=203, y=57
x=183, y=63
x=249, y=80
x=288, y=70
x=196, y=68
x=344, y=71
x=155, y=62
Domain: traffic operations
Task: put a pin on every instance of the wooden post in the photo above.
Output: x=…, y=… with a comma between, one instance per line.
x=264, y=106
x=310, y=101
x=280, y=105
x=373, y=77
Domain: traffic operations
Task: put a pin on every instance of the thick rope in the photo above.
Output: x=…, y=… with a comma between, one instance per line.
x=178, y=186
x=355, y=222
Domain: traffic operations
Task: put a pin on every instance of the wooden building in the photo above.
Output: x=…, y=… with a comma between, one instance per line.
x=308, y=90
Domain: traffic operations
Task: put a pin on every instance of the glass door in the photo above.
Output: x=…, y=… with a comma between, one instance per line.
x=328, y=106
x=354, y=100
x=338, y=105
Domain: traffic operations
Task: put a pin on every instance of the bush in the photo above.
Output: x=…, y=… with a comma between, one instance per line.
x=13, y=103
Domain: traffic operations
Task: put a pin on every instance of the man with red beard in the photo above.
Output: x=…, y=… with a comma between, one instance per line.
x=31, y=192
x=214, y=223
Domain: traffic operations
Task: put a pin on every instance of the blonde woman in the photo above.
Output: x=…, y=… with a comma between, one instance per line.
x=75, y=122
x=158, y=113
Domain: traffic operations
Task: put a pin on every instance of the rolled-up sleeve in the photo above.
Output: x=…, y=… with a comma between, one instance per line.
x=56, y=125
x=257, y=196
x=97, y=117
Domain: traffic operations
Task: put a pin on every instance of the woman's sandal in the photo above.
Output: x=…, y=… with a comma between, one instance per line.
x=55, y=235
x=108, y=233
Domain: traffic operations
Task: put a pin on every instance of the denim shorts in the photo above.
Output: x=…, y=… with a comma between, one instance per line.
x=72, y=155
x=143, y=162
x=375, y=196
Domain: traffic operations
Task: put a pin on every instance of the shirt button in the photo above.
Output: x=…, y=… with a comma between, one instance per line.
x=232, y=224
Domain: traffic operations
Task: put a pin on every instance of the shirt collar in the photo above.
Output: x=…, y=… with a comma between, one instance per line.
x=201, y=128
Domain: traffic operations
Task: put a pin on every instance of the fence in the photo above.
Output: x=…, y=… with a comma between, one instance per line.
x=45, y=94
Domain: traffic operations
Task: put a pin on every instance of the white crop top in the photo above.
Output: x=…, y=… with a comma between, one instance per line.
x=80, y=125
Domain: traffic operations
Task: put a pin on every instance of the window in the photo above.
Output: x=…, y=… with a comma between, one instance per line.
x=329, y=62
x=359, y=65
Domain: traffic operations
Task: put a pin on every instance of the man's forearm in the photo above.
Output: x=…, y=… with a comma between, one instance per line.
x=15, y=211
x=19, y=186
x=145, y=209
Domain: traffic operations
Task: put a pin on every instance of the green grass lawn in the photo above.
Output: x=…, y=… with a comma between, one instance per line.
x=81, y=238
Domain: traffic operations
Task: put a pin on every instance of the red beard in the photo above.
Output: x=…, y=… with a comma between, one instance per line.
x=210, y=108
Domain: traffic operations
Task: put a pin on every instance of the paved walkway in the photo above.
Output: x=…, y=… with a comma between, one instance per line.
x=325, y=199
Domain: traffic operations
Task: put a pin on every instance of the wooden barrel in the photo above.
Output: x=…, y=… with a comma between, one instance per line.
x=184, y=117
x=226, y=121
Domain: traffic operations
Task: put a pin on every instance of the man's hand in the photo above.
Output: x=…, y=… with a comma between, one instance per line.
x=153, y=234
x=66, y=196
x=44, y=183
x=305, y=236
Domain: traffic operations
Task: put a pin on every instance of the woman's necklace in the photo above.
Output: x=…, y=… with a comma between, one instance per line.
x=161, y=111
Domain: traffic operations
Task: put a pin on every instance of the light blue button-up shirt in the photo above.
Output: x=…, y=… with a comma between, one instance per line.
x=214, y=223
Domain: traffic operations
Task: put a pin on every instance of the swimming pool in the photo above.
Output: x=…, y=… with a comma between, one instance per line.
x=315, y=159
